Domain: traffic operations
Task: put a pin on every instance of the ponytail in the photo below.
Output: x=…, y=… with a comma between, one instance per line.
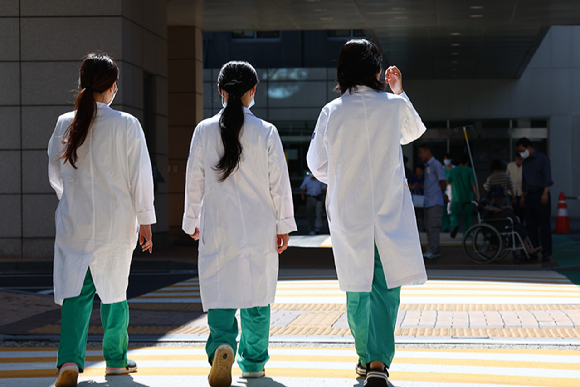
x=98, y=73
x=235, y=78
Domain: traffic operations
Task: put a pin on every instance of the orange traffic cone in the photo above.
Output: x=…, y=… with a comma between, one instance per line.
x=562, y=221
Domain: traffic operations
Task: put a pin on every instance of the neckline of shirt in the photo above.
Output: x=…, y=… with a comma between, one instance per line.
x=102, y=105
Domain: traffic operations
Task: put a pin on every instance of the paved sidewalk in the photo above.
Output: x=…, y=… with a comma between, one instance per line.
x=469, y=305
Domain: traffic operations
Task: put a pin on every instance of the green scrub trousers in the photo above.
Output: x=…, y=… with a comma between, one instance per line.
x=74, y=329
x=223, y=329
x=372, y=318
x=456, y=210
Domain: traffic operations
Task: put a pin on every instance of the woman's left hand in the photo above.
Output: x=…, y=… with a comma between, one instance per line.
x=394, y=79
x=145, y=237
x=282, y=242
x=195, y=235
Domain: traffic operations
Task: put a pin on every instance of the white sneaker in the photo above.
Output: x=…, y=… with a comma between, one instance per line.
x=131, y=367
x=254, y=375
x=220, y=374
x=67, y=376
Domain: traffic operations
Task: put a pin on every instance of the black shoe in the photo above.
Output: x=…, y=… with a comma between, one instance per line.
x=546, y=258
x=377, y=378
x=453, y=232
x=361, y=370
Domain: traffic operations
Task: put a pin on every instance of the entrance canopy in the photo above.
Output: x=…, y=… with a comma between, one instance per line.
x=431, y=39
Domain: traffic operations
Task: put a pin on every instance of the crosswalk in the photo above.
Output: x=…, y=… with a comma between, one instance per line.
x=443, y=287
x=305, y=366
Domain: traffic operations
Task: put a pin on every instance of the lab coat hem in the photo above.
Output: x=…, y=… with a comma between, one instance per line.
x=189, y=224
x=147, y=217
x=418, y=279
x=286, y=226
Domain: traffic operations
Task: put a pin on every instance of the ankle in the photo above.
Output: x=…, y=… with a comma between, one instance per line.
x=377, y=365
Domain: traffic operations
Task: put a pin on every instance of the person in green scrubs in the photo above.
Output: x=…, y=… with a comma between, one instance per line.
x=463, y=190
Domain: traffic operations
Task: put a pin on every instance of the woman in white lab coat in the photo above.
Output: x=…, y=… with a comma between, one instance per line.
x=100, y=169
x=356, y=150
x=238, y=203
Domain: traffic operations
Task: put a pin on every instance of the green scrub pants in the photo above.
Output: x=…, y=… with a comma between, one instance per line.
x=74, y=329
x=372, y=318
x=446, y=220
x=223, y=329
x=458, y=208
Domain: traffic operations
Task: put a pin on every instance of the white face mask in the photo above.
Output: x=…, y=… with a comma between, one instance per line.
x=114, y=95
x=447, y=162
x=525, y=154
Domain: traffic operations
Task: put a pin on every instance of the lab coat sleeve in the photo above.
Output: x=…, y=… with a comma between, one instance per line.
x=194, y=185
x=140, y=174
x=317, y=157
x=412, y=126
x=280, y=189
x=54, y=176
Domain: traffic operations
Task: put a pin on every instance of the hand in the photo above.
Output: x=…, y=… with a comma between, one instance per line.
x=545, y=198
x=145, y=237
x=522, y=202
x=394, y=79
x=195, y=235
x=282, y=242
x=303, y=197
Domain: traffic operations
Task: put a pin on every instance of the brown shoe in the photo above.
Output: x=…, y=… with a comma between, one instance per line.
x=220, y=374
x=67, y=376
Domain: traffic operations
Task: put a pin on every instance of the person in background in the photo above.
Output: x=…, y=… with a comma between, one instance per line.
x=100, y=169
x=536, y=200
x=464, y=189
x=408, y=172
x=434, y=186
x=416, y=183
x=448, y=166
x=514, y=169
x=238, y=204
x=376, y=245
x=313, y=191
x=500, y=197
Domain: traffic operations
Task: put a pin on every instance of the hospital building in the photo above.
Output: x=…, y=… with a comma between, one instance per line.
x=502, y=69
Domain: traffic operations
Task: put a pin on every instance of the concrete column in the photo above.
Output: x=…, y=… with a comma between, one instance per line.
x=43, y=44
x=185, y=111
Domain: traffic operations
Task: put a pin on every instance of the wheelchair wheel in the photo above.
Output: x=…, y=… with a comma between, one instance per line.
x=482, y=243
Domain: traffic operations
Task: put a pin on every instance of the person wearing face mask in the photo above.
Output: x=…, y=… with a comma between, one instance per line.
x=238, y=204
x=536, y=200
x=100, y=170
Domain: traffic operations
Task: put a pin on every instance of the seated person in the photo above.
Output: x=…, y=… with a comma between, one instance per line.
x=498, y=179
x=494, y=212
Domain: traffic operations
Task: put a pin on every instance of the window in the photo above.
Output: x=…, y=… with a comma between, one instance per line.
x=345, y=34
x=252, y=35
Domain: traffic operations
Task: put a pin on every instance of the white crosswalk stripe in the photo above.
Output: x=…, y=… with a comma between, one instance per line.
x=443, y=287
x=305, y=367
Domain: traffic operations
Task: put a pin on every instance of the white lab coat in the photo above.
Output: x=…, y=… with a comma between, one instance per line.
x=239, y=218
x=356, y=150
x=100, y=204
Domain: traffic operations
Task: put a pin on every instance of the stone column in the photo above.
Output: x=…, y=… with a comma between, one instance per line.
x=185, y=110
x=43, y=44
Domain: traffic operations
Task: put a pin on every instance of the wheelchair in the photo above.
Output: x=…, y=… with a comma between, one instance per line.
x=492, y=239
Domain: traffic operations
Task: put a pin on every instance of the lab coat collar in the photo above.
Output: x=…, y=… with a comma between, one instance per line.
x=101, y=105
x=246, y=111
x=361, y=88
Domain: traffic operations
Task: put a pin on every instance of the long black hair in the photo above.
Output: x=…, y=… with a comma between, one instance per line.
x=97, y=74
x=236, y=79
x=358, y=63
